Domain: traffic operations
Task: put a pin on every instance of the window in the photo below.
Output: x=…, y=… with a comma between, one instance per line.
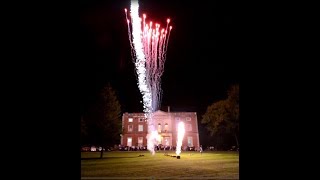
x=140, y=141
x=140, y=127
x=129, y=141
x=130, y=127
x=159, y=127
x=130, y=120
x=188, y=118
x=188, y=127
x=177, y=122
x=166, y=127
x=140, y=119
x=159, y=139
x=190, y=141
x=167, y=141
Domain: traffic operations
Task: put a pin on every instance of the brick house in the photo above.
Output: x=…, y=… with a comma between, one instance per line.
x=135, y=128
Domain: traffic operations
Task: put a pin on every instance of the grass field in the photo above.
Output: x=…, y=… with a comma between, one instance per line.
x=129, y=165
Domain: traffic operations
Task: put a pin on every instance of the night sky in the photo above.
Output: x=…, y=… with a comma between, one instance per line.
x=202, y=58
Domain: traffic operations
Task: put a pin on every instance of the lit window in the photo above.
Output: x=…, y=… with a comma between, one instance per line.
x=130, y=119
x=167, y=141
x=140, y=127
x=129, y=141
x=140, y=141
x=190, y=141
x=159, y=127
x=166, y=127
x=130, y=127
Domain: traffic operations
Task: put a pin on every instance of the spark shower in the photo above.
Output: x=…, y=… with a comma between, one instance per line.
x=149, y=45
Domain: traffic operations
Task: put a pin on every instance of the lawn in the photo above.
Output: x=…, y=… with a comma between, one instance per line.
x=143, y=165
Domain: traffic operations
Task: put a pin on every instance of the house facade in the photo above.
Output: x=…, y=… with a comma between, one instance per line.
x=135, y=129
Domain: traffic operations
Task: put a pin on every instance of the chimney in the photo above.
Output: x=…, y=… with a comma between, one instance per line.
x=168, y=108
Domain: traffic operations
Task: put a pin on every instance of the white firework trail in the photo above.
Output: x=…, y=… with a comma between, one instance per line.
x=129, y=34
x=148, y=50
x=181, y=131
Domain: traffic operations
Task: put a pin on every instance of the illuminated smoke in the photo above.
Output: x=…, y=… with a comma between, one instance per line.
x=181, y=131
x=148, y=49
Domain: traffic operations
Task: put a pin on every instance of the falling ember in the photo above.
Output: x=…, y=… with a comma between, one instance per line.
x=148, y=50
x=181, y=131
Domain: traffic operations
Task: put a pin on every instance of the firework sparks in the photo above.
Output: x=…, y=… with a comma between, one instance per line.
x=148, y=49
x=181, y=131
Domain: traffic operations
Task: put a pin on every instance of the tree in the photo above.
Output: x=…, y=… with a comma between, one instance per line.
x=111, y=117
x=215, y=119
x=104, y=119
x=233, y=107
x=222, y=117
